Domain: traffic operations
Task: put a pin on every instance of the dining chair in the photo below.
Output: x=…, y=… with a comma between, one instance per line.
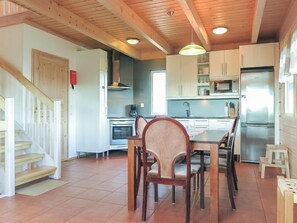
x=226, y=162
x=167, y=140
x=140, y=123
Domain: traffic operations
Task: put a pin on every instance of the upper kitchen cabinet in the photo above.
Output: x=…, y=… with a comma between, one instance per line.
x=181, y=76
x=258, y=55
x=224, y=64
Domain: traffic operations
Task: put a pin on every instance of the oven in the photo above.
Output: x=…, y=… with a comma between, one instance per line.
x=120, y=129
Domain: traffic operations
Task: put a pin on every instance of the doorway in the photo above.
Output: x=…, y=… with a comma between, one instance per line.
x=50, y=75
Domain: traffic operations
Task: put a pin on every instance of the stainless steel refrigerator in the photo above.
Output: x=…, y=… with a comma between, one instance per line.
x=256, y=112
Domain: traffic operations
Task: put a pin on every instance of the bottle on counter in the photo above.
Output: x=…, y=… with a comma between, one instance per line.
x=226, y=110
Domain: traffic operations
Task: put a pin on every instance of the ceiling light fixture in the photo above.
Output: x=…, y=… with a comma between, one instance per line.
x=192, y=49
x=219, y=30
x=132, y=41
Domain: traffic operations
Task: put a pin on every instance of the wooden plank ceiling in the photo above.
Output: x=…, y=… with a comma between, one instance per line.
x=107, y=24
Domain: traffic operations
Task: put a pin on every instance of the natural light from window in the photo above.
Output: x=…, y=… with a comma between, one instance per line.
x=158, y=83
x=289, y=95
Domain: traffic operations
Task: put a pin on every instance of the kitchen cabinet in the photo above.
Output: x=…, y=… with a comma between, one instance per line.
x=224, y=65
x=91, y=102
x=258, y=55
x=220, y=124
x=181, y=76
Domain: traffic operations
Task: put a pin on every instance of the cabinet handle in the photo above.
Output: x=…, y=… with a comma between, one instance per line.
x=225, y=69
x=222, y=68
x=181, y=90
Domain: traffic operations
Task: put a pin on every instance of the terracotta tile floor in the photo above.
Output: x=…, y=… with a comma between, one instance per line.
x=97, y=192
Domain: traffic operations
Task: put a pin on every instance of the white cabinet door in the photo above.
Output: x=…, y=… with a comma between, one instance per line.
x=232, y=68
x=188, y=76
x=173, y=76
x=181, y=76
x=258, y=55
x=90, y=104
x=224, y=64
x=216, y=64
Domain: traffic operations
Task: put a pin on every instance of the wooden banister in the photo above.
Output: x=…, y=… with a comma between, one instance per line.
x=28, y=84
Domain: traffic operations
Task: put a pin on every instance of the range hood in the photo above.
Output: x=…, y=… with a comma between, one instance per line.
x=116, y=85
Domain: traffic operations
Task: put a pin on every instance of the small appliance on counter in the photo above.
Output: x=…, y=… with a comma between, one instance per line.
x=133, y=111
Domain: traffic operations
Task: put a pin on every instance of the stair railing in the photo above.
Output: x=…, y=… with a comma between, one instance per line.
x=40, y=117
x=7, y=185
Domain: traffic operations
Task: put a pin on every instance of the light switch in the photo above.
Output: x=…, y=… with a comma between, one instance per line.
x=142, y=105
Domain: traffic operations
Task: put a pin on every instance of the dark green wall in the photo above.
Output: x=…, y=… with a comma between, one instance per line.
x=141, y=83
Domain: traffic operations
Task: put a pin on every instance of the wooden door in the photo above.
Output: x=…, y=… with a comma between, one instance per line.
x=50, y=75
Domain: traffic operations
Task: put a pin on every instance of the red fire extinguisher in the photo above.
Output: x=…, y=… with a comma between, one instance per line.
x=73, y=80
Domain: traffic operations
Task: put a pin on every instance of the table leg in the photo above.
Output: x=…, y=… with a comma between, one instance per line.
x=131, y=176
x=214, y=183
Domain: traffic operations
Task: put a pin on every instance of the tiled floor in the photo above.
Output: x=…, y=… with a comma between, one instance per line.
x=97, y=192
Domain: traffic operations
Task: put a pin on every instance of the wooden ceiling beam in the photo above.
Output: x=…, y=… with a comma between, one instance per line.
x=52, y=10
x=129, y=17
x=14, y=19
x=258, y=15
x=193, y=17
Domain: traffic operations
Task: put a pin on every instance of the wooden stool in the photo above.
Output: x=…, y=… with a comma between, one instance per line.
x=276, y=156
x=286, y=198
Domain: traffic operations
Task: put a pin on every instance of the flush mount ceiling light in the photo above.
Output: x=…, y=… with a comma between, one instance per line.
x=192, y=49
x=219, y=30
x=132, y=41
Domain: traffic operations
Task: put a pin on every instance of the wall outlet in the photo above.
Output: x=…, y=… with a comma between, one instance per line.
x=142, y=105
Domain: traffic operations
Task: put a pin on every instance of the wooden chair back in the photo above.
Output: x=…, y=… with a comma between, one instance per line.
x=167, y=140
x=140, y=123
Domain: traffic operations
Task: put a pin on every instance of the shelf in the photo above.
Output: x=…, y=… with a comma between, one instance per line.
x=203, y=84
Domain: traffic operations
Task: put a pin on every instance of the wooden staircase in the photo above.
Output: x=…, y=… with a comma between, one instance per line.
x=27, y=164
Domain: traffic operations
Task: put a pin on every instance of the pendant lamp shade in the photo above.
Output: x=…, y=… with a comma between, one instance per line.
x=191, y=50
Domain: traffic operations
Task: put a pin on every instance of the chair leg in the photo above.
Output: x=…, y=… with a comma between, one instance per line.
x=144, y=201
x=234, y=174
x=173, y=194
x=263, y=166
x=138, y=174
x=188, y=199
x=202, y=180
x=231, y=188
x=156, y=192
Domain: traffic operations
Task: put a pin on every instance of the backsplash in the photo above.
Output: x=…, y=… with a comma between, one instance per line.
x=200, y=108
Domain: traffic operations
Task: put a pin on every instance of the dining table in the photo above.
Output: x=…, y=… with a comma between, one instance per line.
x=208, y=140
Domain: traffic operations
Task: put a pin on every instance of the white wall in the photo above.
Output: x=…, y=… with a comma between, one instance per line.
x=43, y=41
x=11, y=39
x=16, y=47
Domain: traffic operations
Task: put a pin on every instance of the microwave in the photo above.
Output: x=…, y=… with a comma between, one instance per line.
x=224, y=86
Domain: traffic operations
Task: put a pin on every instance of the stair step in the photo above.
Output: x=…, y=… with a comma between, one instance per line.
x=33, y=174
x=19, y=145
x=26, y=158
x=2, y=133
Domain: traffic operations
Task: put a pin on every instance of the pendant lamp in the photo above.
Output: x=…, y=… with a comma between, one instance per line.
x=192, y=49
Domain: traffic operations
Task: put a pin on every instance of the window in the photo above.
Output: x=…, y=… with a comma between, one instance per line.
x=158, y=83
x=289, y=95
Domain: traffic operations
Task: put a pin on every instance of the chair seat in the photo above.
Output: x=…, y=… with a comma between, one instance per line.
x=179, y=169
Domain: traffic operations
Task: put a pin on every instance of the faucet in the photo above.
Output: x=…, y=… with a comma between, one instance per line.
x=187, y=107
